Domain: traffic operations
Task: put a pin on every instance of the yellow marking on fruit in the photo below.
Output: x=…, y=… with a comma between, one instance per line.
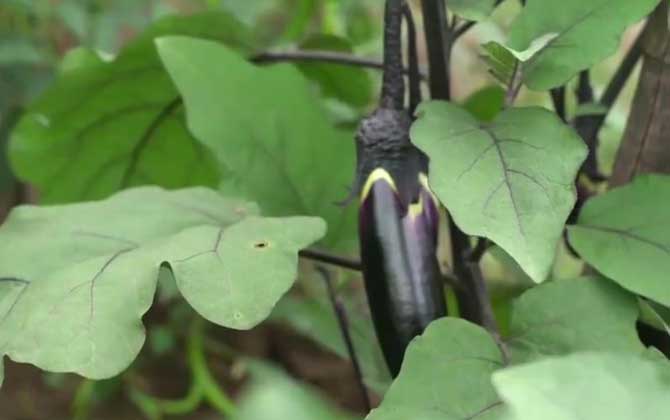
x=415, y=209
x=423, y=180
x=377, y=175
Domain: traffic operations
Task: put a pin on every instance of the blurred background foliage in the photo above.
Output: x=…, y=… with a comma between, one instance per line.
x=37, y=40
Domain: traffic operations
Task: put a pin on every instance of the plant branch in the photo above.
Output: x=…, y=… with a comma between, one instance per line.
x=473, y=299
x=413, y=59
x=268, y=57
x=324, y=257
x=558, y=99
x=438, y=42
x=343, y=323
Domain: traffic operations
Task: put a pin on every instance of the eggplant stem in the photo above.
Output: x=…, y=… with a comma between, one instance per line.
x=336, y=260
x=413, y=58
x=343, y=323
x=393, y=83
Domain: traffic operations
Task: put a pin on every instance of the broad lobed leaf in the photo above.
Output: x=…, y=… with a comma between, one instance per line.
x=75, y=280
x=511, y=180
x=586, y=386
x=105, y=126
x=587, y=31
x=268, y=130
x=625, y=234
x=447, y=371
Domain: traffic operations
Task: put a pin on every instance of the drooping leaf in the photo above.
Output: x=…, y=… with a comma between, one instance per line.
x=511, y=180
x=586, y=386
x=266, y=127
x=587, y=31
x=472, y=9
x=111, y=125
x=446, y=372
x=76, y=279
x=348, y=84
x=625, y=234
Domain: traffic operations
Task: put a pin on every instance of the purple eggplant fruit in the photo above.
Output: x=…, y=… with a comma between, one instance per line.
x=398, y=215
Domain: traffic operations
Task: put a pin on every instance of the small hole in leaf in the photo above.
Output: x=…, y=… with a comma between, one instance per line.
x=261, y=244
x=237, y=315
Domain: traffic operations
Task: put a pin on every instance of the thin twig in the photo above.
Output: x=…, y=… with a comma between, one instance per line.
x=324, y=257
x=341, y=315
x=323, y=57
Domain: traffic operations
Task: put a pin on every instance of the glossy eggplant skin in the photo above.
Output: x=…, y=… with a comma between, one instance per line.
x=398, y=225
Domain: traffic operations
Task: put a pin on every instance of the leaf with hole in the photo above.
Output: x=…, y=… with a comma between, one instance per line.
x=111, y=125
x=75, y=280
x=510, y=180
x=587, y=31
x=265, y=125
x=625, y=234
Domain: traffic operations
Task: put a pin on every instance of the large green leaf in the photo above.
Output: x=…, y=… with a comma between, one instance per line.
x=586, y=386
x=559, y=317
x=76, y=279
x=587, y=31
x=625, y=234
x=511, y=180
x=110, y=125
x=265, y=125
x=446, y=372
x=445, y=376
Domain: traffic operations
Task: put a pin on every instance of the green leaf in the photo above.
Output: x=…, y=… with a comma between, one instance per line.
x=267, y=129
x=107, y=126
x=445, y=376
x=446, y=372
x=625, y=235
x=485, y=103
x=273, y=395
x=586, y=386
x=506, y=62
x=587, y=31
x=587, y=314
x=348, y=84
x=472, y=9
x=78, y=307
x=511, y=180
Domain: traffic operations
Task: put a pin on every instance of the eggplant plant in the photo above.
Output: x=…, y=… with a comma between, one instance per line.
x=180, y=222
